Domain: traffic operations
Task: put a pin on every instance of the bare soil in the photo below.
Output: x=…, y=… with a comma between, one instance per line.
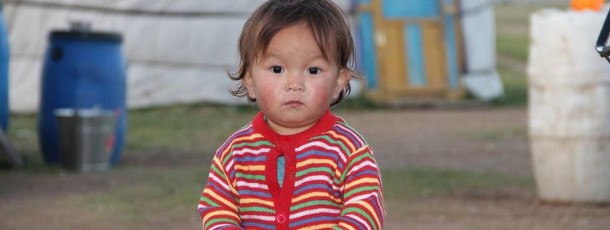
x=493, y=140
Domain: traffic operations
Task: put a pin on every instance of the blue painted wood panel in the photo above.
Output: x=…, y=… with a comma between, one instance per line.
x=414, y=60
x=410, y=8
x=451, y=47
x=369, y=55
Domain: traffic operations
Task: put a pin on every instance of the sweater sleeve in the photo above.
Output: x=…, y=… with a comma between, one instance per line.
x=362, y=193
x=218, y=205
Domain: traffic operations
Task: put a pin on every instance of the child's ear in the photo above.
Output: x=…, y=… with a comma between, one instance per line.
x=249, y=83
x=345, y=76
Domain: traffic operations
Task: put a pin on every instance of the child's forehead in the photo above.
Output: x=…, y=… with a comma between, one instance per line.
x=282, y=55
x=325, y=43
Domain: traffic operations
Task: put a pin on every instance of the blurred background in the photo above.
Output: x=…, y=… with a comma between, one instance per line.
x=482, y=113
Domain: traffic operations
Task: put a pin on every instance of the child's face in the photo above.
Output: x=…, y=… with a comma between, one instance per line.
x=292, y=82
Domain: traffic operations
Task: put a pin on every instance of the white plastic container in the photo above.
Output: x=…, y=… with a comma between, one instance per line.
x=569, y=107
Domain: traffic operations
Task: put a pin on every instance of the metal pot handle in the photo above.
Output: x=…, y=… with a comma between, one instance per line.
x=600, y=46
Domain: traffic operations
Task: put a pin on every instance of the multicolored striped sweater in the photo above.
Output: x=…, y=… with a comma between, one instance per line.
x=331, y=180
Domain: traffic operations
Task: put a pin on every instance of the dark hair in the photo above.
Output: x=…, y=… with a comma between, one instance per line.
x=326, y=20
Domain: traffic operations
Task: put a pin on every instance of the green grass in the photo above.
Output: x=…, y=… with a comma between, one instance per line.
x=175, y=192
x=23, y=132
x=512, y=45
x=518, y=15
x=185, y=127
x=405, y=184
x=515, y=86
x=171, y=191
x=179, y=128
x=497, y=134
x=512, y=41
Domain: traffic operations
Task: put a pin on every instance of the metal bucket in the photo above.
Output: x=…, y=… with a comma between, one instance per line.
x=86, y=138
x=82, y=69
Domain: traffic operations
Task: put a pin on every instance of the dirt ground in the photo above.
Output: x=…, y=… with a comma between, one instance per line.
x=484, y=139
x=475, y=139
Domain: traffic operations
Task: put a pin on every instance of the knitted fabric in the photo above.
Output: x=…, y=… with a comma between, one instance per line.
x=331, y=180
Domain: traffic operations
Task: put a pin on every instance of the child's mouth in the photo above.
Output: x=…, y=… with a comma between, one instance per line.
x=293, y=103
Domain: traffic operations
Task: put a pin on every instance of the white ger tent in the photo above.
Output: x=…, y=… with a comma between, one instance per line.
x=176, y=51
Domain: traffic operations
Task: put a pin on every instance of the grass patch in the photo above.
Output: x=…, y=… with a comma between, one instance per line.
x=166, y=193
x=513, y=46
x=190, y=128
x=357, y=103
x=178, y=128
x=23, y=132
x=508, y=15
x=408, y=184
x=172, y=193
x=515, y=86
x=498, y=134
x=185, y=127
x=23, y=135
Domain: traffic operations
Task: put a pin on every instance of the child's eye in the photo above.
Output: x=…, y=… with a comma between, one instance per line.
x=277, y=69
x=314, y=70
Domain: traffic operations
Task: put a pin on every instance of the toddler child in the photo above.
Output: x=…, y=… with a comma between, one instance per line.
x=295, y=165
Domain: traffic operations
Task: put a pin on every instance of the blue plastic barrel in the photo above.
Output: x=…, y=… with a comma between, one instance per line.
x=4, y=59
x=82, y=69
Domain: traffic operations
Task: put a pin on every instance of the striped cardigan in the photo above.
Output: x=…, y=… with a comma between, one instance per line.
x=331, y=180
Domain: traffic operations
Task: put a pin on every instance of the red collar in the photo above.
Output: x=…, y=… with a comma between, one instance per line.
x=324, y=124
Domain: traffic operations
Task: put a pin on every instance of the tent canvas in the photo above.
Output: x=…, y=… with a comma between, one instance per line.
x=175, y=51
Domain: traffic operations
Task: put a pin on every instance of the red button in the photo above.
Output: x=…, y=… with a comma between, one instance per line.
x=280, y=218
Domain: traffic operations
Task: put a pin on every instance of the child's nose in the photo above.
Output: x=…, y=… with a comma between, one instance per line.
x=294, y=86
x=294, y=82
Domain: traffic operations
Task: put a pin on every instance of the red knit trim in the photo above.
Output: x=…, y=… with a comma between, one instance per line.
x=324, y=124
x=285, y=145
